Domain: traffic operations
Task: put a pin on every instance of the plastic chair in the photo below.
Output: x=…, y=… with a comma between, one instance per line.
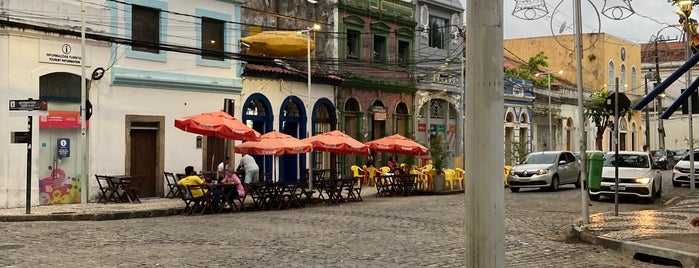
x=449, y=177
x=428, y=171
x=385, y=170
x=460, y=173
x=355, y=174
x=369, y=174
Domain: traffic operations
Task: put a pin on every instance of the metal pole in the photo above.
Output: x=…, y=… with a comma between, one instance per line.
x=690, y=113
x=83, y=119
x=582, y=133
x=647, y=132
x=308, y=109
x=28, y=204
x=661, y=128
x=484, y=199
x=616, y=147
x=551, y=146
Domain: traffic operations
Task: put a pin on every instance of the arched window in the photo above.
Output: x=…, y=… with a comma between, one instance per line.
x=622, y=78
x=610, y=76
x=634, y=86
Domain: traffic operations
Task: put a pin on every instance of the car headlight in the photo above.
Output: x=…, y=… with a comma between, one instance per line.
x=512, y=171
x=642, y=180
x=542, y=171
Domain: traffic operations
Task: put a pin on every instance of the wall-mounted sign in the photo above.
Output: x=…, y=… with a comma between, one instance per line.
x=19, y=136
x=63, y=147
x=61, y=52
x=421, y=127
x=28, y=105
x=380, y=116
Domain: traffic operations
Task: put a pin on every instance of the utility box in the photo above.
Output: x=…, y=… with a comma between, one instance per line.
x=594, y=172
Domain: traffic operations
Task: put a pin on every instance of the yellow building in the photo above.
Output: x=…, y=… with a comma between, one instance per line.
x=604, y=59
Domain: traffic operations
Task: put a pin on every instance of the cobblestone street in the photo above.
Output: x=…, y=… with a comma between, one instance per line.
x=418, y=231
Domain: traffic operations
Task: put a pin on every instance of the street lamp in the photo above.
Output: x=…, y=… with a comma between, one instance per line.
x=550, y=140
x=315, y=27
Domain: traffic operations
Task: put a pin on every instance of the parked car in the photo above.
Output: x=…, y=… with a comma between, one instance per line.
x=680, y=174
x=638, y=174
x=547, y=169
x=679, y=154
x=665, y=158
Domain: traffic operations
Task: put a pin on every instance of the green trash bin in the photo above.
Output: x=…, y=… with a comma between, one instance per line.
x=594, y=171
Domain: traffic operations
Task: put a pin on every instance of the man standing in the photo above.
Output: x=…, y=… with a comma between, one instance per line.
x=252, y=171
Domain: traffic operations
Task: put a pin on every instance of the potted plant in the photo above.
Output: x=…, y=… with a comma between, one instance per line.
x=439, y=154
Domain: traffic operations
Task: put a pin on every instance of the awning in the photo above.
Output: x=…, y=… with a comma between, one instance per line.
x=61, y=119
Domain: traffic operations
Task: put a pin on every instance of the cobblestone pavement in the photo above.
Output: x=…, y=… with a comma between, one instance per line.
x=417, y=231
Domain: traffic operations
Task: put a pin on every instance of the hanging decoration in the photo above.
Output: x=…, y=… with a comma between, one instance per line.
x=425, y=21
x=530, y=9
x=690, y=25
x=617, y=9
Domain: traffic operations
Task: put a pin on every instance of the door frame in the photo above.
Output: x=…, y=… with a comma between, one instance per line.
x=159, y=147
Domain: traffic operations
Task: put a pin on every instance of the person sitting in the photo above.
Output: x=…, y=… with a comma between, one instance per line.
x=391, y=164
x=221, y=167
x=193, y=179
x=231, y=177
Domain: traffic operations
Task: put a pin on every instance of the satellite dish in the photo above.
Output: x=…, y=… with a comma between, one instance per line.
x=562, y=28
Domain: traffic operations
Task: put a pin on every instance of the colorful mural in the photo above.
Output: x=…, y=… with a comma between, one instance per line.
x=59, y=189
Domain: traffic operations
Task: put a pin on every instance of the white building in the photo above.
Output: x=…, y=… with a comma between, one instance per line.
x=155, y=71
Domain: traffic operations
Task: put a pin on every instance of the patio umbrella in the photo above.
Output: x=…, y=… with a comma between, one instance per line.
x=274, y=143
x=337, y=142
x=218, y=124
x=397, y=144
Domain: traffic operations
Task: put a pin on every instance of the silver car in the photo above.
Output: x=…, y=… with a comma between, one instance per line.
x=680, y=173
x=548, y=170
x=638, y=175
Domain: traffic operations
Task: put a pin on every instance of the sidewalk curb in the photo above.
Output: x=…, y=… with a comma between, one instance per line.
x=100, y=216
x=650, y=248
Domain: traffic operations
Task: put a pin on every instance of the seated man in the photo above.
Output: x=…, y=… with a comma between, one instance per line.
x=192, y=179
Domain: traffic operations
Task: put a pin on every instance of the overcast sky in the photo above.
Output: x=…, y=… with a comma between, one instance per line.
x=651, y=16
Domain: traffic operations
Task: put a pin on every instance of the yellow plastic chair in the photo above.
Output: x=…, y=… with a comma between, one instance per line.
x=449, y=177
x=460, y=173
x=384, y=170
x=355, y=174
x=421, y=179
x=428, y=171
x=369, y=174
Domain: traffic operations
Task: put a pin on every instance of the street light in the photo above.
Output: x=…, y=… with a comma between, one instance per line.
x=315, y=27
x=550, y=140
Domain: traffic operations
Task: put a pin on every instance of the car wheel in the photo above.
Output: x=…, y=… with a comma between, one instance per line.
x=651, y=199
x=676, y=184
x=514, y=189
x=593, y=197
x=554, y=184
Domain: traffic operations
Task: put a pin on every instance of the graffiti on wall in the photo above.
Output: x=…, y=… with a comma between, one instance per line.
x=59, y=188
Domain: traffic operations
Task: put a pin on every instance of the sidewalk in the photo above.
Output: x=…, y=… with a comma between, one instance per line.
x=662, y=236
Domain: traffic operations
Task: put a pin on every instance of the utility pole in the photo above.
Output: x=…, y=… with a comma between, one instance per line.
x=661, y=128
x=649, y=73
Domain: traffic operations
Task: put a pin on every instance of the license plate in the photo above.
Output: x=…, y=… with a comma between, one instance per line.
x=621, y=188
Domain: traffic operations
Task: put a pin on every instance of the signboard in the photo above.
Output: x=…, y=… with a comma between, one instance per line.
x=63, y=147
x=624, y=103
x=421, y=127
x=380, y=116
x=61, y=53
x=28, y=105
x=19, y=137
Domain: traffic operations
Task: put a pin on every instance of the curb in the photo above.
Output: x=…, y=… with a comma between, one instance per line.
x=650, y=250
x=100, y=216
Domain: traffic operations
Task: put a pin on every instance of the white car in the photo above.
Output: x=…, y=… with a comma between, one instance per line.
x=548, y=170
x=638, y=174
x=680, y=174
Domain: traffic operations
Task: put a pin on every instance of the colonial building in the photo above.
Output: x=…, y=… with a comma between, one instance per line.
x=439, y=99
x=146, y=64
x=605, y=58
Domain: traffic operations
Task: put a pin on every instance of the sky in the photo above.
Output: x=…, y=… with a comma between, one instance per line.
x=650, y=17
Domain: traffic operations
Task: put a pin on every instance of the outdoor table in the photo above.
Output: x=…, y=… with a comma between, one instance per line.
x=119, y=182
x=228, y=191
x=384, y=184
x=258, y=191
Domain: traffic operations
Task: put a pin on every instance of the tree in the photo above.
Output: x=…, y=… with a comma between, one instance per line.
x=529, y=70
x=595, y=111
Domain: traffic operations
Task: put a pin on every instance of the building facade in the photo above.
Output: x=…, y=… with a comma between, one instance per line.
x=146, y=64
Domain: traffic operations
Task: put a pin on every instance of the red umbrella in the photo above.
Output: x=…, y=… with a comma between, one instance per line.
x=337, y=142
x=217, y=124
x=274, y=143
x=397, y=144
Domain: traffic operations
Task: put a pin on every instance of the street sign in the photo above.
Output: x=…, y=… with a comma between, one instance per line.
x=28, y=105
x=624, y=103
x=19, y=136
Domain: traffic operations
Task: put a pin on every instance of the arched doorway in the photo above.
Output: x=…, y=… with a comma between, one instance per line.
x=257, y=114
x=510, y=149
x=323, y=120
x=352, y=126
x=401, y=118
x=291, y=122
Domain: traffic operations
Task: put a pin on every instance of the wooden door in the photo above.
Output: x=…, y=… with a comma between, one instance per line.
x=143, y=159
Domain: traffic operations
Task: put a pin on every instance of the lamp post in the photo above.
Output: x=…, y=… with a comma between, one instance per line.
x=315, y=27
